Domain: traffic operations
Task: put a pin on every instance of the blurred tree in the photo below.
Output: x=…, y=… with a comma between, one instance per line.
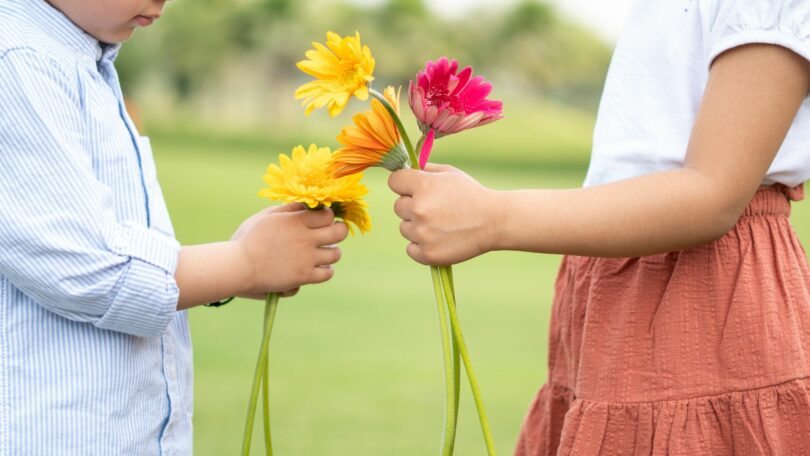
x=404, y=38
x=530, y=17
x=550, y=54
x=243, y=52
x=393, y=10
x=280, y=8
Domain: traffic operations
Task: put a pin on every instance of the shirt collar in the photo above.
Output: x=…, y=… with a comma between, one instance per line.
x=55, y=23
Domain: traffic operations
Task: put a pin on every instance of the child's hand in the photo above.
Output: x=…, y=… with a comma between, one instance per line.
x=447, y=215
x=289, y=246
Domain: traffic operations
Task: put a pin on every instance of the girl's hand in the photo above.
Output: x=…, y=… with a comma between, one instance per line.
x=288, y=246
x=750, y=103
x=446, y=214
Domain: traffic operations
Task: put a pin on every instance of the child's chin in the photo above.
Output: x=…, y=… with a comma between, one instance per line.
x=116, y=36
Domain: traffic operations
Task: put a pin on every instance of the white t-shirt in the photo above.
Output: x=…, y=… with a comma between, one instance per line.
x=659, y=71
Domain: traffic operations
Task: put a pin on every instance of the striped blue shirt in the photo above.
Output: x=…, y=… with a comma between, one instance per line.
x=94, y=358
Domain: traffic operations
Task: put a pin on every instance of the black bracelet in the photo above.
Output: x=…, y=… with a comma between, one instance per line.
x=220, y=303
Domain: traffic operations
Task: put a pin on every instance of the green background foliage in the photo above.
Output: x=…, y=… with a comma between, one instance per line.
x=232, y=64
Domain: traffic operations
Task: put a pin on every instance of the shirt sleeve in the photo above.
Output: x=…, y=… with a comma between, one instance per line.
x=60, y=242
x=735, y=23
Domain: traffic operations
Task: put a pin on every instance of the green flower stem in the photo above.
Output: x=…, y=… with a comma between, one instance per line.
x=270, y=305
x=268, y=441
x=451, y=397
x=465, y=356
x=404, y=134
x=456, y=358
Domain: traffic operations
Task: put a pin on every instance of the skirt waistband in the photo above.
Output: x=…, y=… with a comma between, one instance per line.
x=773, y=200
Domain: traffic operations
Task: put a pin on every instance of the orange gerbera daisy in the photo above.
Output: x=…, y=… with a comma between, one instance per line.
x=373, y=140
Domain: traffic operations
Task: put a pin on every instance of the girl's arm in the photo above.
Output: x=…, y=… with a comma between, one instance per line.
x=751, y=99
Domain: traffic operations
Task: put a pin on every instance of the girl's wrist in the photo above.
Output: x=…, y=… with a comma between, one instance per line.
x=496, y=218
x=512, y=217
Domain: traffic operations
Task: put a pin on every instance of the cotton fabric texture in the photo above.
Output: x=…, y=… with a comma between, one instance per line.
x=94, y=359
x=658, y=74
x=701, y=352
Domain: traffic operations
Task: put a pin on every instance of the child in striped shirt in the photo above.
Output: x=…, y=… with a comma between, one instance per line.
x=95, y=356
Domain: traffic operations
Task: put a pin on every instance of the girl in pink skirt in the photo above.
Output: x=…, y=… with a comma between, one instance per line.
x=681, y=321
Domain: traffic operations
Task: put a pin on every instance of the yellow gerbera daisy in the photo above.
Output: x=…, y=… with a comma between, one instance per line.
x=373, y=140
x=354, y=213
x=307, y=178
x=341, y=69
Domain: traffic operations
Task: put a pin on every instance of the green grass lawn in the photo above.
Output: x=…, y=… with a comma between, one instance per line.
x=356, y=362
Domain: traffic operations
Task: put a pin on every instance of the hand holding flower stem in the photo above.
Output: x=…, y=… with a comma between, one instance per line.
x=446, y=101
x=449, y=352
x=445, y=298
x=305, y=178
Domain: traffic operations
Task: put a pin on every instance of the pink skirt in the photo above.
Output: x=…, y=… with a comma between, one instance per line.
x=704, y=351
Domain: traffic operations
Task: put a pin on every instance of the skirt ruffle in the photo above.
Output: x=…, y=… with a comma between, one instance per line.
x=770, y=421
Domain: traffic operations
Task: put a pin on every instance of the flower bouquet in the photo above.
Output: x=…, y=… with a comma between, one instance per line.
x=304, y=177
x=444, y=101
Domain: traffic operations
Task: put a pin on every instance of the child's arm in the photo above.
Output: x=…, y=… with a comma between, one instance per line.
x=278, y=250
x=751, y=99
x=62, y=245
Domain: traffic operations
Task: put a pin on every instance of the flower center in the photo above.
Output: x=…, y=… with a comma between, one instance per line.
x=438, y=96
x=349, y=72
x=311, y=179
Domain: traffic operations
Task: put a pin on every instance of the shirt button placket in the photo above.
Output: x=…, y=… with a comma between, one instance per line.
x=170, y=370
